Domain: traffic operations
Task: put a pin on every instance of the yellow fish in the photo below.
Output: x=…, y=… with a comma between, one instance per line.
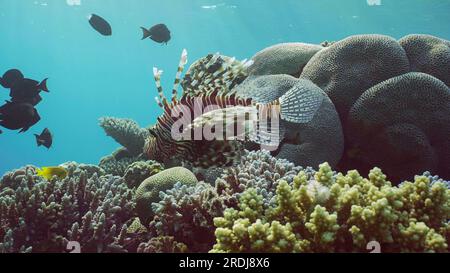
x=49, y=172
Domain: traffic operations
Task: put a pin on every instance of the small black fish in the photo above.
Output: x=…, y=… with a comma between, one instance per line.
x=45, y=138
x=10, y=77
x=16, y=116
x=158, y=33
x=27, y=91
x=100, y=24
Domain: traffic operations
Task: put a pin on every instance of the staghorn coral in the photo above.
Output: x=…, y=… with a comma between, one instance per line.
x=162, y=244
x=148, y=191
x=139, y=171
x=327, y=212
x=41, y=216
x=74, y=169
x=286, y=58
x=347, y=68
x=126, y=132
x=259, y=170
x=402, y=125
x=428, y=54
x=186, y=213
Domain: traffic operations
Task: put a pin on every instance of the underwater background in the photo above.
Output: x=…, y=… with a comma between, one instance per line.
x=91, y=76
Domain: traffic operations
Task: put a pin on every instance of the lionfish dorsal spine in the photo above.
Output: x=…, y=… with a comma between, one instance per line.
x=183, y=62
x=162, y=101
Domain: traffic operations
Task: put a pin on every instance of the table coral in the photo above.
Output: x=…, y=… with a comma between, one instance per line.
x=413, y=217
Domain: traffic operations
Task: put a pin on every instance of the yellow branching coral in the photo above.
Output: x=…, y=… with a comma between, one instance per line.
x=328, y=212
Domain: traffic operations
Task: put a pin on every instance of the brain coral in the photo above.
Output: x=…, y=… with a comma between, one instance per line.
x=349, y=67
x=428, y=54
x=326, y=212
x=287, y=58
x=148, y=192
x=403, y=126
x=138, y=171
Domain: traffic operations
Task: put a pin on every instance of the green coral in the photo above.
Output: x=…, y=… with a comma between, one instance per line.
x=148, y=192
x=328, y=212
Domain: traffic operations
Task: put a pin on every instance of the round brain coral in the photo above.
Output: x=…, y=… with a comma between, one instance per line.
x=287, y=58
x=148, y=192
x=428, y=54
x=349, y=67
x=403, y=126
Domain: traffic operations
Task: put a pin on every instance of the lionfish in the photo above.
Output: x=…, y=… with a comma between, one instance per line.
x=209, y=82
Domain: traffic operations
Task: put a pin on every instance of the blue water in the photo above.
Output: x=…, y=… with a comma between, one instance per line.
x=93, y=76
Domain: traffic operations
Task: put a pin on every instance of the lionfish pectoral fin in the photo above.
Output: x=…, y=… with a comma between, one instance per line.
x=300, y=105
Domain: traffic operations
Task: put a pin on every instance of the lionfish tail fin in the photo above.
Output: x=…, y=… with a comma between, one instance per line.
x=299, y=105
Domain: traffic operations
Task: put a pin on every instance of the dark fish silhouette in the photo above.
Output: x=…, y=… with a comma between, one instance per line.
x=100, y=24
x=27, y=91
x=16, y=116
x=10, y=77
x=158, y=33
x=45, y=138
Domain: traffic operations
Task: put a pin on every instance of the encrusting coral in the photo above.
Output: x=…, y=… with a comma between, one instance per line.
x=328, y=212
x=148, y=191
x=402, y=125
x=43, y=216
x=126, y=132
x=428, y=54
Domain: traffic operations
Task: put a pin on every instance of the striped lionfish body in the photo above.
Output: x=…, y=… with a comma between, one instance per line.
x=208, y=99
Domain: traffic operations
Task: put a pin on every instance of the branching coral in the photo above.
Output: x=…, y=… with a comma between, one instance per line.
x=126, y=132
x=186, y=213
x=118, y=162
x=42, y=216
x=328, y=212
x=162, y=244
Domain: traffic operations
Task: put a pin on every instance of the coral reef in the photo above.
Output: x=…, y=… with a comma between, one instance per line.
x=186, y=213
x=148, y=191
x=328, y=212
x=162, y=244
x=287, y=58
x=41, y=216
x=138, y=171
x=428, y=54
x=118, y=162
x=126, y=132
x=402, y=126
x=347, y=68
